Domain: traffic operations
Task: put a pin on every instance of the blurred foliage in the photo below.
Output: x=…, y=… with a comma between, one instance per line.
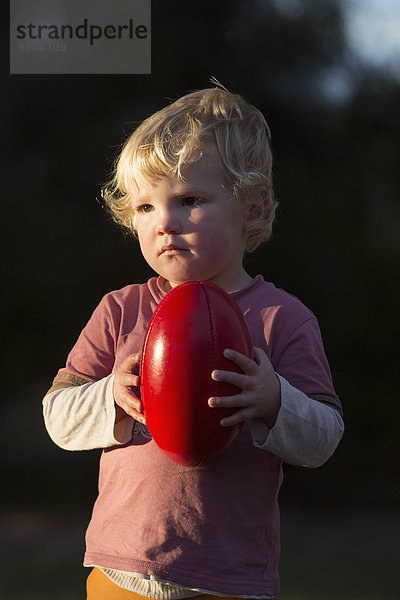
x=336, y=241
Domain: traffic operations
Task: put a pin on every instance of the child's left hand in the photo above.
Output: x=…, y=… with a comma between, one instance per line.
x=260, y=395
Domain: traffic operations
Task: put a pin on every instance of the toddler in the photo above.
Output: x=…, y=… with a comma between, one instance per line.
x=194, y=184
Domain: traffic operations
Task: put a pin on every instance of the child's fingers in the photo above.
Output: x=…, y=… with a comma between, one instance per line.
x=130, y=362
x=138, y=416
x=131, y=405
x=246, y=364
x=130, y=399
x=125, y=381
x=238, y=417
x=129, y=380
x=237, y=379
x=243, y=414
x=234, y=401
x=243, y=402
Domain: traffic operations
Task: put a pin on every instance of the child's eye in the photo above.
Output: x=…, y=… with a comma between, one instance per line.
x=192, y=201
x=144, y=208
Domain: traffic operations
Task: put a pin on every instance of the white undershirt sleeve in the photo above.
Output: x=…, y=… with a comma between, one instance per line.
x=306, y=432
x=83, y=417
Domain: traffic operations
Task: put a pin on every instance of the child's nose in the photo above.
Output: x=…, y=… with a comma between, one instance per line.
x=168, y=223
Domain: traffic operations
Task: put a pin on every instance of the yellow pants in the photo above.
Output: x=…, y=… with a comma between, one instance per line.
x=100, y=587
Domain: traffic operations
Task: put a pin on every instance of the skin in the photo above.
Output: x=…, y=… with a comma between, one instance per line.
x=178, y=223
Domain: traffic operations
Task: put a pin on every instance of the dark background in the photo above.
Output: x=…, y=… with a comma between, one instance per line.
x=335, y=245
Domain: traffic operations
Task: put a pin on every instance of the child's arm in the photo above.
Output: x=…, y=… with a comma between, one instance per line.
x=285, y=421
x=307, y=431
x=94, y=414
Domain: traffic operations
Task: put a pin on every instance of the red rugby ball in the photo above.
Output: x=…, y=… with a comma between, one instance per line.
x=189, y=330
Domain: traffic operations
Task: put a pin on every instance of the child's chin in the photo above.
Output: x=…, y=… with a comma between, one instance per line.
x=175, y=280
x=172, y=283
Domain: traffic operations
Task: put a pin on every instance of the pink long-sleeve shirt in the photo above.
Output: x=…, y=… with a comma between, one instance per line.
x=214, y=527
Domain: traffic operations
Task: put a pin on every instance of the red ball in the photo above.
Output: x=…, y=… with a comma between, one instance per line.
x=187, y=335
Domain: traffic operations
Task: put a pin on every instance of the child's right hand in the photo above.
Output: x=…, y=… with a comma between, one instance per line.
x=126, y=401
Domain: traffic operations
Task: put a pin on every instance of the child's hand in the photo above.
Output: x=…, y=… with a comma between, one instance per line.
x=261, y=391
x=127, y=402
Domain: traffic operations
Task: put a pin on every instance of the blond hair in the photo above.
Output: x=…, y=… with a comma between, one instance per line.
x=173, y=137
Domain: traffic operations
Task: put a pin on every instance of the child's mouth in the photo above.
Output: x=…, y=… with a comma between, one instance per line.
x=171, y=250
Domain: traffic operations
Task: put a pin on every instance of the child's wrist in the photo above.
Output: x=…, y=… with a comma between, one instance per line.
x=274, y=403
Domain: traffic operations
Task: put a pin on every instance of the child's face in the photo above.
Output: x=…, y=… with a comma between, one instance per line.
x=192, y=229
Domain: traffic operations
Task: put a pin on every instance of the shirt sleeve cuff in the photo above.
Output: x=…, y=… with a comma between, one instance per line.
x=306, y=431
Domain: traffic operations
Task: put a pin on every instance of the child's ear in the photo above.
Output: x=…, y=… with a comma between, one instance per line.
x=257, y=205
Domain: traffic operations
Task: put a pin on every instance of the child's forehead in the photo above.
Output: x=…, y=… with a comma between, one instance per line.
x=205, y=171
